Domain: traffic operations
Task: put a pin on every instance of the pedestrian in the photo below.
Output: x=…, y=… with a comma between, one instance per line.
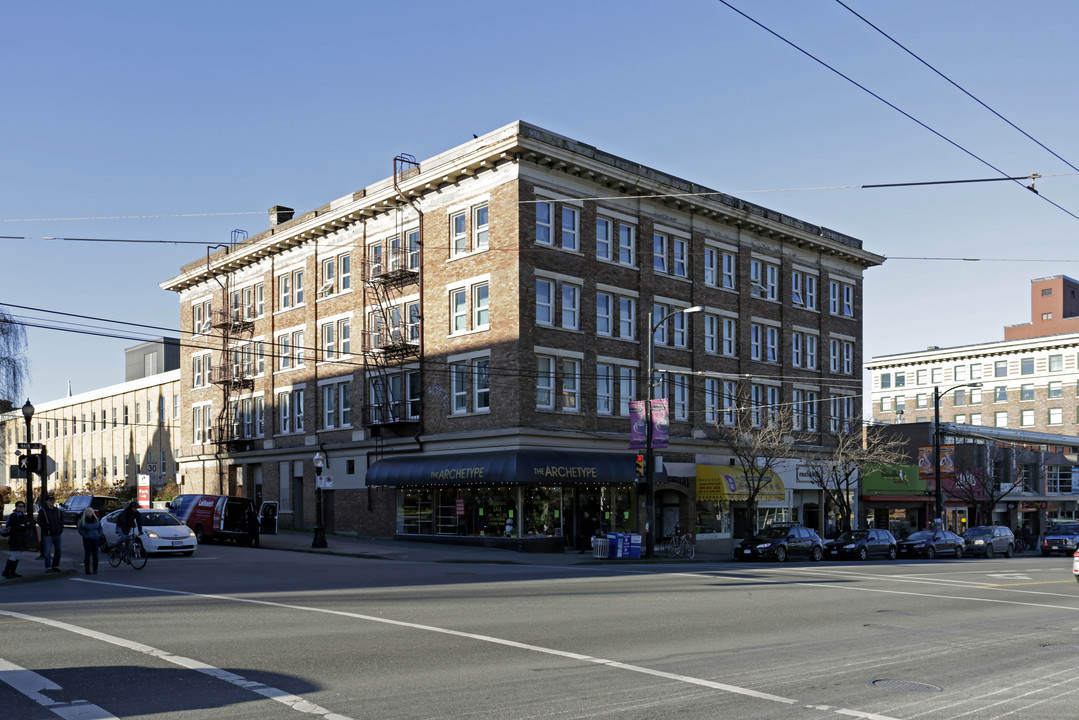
x=51, y=523
x=18, y=525
x=90, y=529
x=253, y=528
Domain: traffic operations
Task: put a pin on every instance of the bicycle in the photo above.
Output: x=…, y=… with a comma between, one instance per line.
x=128, y=551
x=680, y=546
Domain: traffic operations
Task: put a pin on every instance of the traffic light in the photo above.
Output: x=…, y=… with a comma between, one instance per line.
x=641, y=469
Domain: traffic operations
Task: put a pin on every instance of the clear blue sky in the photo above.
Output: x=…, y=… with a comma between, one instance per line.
x=185, y=109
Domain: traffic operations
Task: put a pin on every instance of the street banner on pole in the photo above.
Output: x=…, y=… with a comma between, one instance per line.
x=638, y=430
x=661, y=425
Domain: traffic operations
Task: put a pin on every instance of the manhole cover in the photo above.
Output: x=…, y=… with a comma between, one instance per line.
x=906, y=686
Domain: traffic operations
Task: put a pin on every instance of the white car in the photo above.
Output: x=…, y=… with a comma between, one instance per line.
x=162, y=532
x=1075, y=564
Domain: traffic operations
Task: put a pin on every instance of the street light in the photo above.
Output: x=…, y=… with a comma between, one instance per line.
x=28, y=414
x=319, y=540
x=937, y=395
x=649, y=455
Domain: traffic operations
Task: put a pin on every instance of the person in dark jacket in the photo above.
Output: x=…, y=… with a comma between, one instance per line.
x=90, y=529
x=51, y=523
x=18, y=525
x=253, y=526
x=130, y=520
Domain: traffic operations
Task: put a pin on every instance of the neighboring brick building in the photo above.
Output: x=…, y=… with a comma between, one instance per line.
x=468, y=334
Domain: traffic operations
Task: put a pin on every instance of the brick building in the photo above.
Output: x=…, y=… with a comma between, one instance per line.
x=461, y=342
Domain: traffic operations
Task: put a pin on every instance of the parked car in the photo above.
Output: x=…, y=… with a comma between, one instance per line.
x=222, y=517
x=1075, y=564
x=1061, y=538
x=862, y=544
x=780, y=541
x=930, y=543
x=988, y=540
x=162, y=532
x=74, y=506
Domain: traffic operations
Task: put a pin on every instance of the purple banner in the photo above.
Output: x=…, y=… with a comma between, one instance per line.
x=638, y=431
x=661, y=426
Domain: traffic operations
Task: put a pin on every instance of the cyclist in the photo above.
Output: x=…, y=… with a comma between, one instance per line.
x=129, y=520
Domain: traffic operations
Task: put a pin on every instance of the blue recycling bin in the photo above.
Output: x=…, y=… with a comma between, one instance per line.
x=633, y=549
x=614, y=542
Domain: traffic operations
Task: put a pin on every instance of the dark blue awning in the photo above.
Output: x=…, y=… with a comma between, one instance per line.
x=529, y=466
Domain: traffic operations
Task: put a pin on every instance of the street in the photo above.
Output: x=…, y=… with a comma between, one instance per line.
x=268, y=634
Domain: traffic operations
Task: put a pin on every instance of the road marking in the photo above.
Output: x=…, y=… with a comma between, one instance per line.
x=1010, y=576
x=294, y=701
x=34, y=686
x=700, y=682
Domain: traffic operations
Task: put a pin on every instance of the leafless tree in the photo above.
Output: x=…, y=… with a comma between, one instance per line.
x=14, y=365
x=852, y=451
x=759, y=437
x=977, y=483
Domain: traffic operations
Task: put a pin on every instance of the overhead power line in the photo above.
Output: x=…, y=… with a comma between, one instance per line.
x=893, y=106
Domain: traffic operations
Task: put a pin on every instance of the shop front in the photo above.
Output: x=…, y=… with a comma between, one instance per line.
x=721, y=502
x=895, y=498
x=526, y=499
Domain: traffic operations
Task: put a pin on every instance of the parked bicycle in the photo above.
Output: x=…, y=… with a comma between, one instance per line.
x=131, y=552
x=680, y=546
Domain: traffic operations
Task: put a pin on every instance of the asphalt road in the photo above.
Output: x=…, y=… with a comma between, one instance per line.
x=241, y=633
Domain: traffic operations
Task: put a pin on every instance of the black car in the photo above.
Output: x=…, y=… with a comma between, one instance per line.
x=1061, y=538
x=930, y=543
x=862, y=544
x=988, y=540
x=780, y=541
x=74, y=506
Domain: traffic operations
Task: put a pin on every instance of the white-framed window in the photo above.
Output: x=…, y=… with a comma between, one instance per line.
x=254, y=301
x=835, y=355
x=290, y=289
x=798, y=355
x=679, y=330
x=544, y=226
x=201, y=315
x=729, y=345
x=202, y=419
x=570, y=228
x=756, y=341
x=481, y=306
x=1026, y=418
x=1056, y=363
x=480, y=237
x=711, y=400
x=771, y=344
x=728, y=271
x=711, y=333
x=711, y=266
x=470, y=384
x=605, y=389
x=571, y=300
x=841, y=298
x=336, y=339
x=201, y=370
x=627, y=318
x=627, y=384
x=764, y=279
x=627, y=244
x=290, y=409
x=659, y=252
x=545, y=377
x=336, y=403
x=848, y=357
x=1056, y=389
x=804, y=289
x=604, y=314
x=604, y=239
x=545, y=301
x=680, y=398
x=458, y=234
x=1056, y=416
x=1000, y=418
x=680, y=258
x=570, y=384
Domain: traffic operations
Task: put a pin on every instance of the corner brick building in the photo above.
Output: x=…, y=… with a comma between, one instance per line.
x=461, y=342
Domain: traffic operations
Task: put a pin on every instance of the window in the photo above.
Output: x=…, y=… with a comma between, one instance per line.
x=1000, y=393
x=975, y=418
x=1001, y=418
x=290, y=412
x=544, y=302
x=959, y=397
x=921, y=377
x=603, y=239
x=627, y=244
x=680, y=257
x=200, y=317
x=679, y=324
x=1026, y=392
x=627, y=383
x=711, y=401
x=571, y=298
x=413, y=250
x=841, y=298
x=975, y=396
x=921, y=401
x=960, y=419
x=756, y=340
x=336, y=404
x=458, y=234
x=1056, y=363
x=1026, y=366
x=604, y=389
x=886, y=404
x=1026, y=418
x=1056, y=416
x=764, y=280
x=848, y=358
x=771, y=344
x=936, y=374
x=834, y=355
x=544, y=382
x=976, y=371
x=680, y=398
x=1056, y=389
x=885, y=380
x=627, y=318
x=604, y=313
x=1000, y=368
x=804, y=289
x=201, y=423
x=571, y=385
x=290, y=288
x=959, y=373
x=459, y=310
x=659, y=252
x=481, y=306
x=480, y=239
x=900, y=380
x=470, y=383
x=544, y=230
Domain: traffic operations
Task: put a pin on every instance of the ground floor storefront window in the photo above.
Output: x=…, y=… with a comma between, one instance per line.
x=577, y=513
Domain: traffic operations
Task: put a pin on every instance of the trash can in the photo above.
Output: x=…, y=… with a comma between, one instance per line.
x=601, y=548
x=614, y=542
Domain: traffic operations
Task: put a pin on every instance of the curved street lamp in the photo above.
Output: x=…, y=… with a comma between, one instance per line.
x=937, y=395
x=649, y=459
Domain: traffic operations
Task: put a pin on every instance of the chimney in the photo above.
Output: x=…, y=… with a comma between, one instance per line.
x=280, y=214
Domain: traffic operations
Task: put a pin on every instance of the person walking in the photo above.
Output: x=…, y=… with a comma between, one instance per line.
x=90, y=529
x=18, y=525
x=51, y=523
x=253, y=526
